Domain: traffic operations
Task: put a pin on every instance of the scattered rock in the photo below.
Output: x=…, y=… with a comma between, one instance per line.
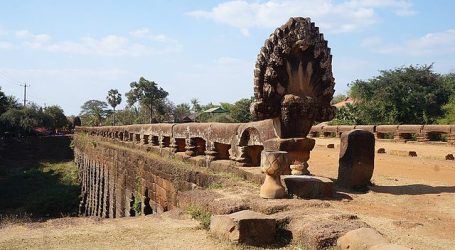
x=450, y=157
x=309, y=187
x=356, y=163
x=381, y=151
x=412, y=154
x=330, y=145
x=360, y=239
x=246, y=227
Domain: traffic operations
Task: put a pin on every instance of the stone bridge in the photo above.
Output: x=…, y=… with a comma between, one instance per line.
x=122, y=166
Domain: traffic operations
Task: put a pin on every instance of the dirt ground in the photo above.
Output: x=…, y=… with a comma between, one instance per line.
x=150, y=232
x=413, y=200
x=412, y=203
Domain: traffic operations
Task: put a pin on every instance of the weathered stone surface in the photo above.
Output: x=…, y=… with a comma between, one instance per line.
x=321, y=231
x=356, y=163
x=309, y=187
x=388, y=246
x=360, y=239
x=247, y=227
x=273, y=164
x=293, y=81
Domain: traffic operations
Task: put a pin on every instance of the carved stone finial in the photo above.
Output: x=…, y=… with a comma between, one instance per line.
x=293, y=81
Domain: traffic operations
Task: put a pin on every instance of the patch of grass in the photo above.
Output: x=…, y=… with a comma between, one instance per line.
x=215, y=185
x=201, y=215
x=41, y=189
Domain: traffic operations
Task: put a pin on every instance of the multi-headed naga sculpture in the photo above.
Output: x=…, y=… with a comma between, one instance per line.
x=293, y=86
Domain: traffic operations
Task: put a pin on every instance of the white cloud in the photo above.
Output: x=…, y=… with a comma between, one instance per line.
x=438, y=43
x=139, y=43
x=6, y=45
x=330, y=16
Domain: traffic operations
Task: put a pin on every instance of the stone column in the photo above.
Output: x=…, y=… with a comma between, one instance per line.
x=210, y=152
x=356, y=162
x=190, y=148
x=272, y=164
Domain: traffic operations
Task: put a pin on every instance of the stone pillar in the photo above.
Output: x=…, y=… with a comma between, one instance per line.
x=190, y=148
x=298, y=153
x=272, y=164
x=173, y=145
x=356, y=163
x=210, y=152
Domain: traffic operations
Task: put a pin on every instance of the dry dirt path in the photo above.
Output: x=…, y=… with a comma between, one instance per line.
x=413, y=200
x=151, y=232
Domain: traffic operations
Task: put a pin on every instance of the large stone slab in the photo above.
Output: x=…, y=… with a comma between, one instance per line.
x=309, y=187
x=246, y=227
x=356, y=163
x=360, y=239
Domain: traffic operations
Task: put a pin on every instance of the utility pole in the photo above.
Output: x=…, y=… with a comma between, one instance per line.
x=25, y=92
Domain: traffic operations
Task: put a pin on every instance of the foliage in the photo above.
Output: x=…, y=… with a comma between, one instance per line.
x=57, y=119
x=149, y=95
x=406, y=95
x=449, y=113
x=240, y=111
x=338, y=98
x=93, y=112
x=347, y=115
x=22, y=121
x=181, y=110
x=199, y=214
x=114, y=98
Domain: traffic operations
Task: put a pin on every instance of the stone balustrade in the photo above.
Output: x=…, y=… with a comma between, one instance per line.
x=400, y=133
x=242, y=143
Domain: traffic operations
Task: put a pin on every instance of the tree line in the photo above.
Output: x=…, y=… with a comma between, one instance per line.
x=405, y=95
x=146, y=102
x=19, y=120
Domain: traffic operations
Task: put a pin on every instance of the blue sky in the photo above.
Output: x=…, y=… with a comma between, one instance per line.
x=73, y=51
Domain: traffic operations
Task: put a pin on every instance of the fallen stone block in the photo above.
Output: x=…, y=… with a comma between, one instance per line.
x=450, y=157
x=356, y=163
x=360, y=239
x=381, y=151
x=412, y=154
x=246, y=227
x=321, y=230
x=309, y=187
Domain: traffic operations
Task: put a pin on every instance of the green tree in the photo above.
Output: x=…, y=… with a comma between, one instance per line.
x=114, y=98
x=449, y=113
x=406, y=95
x=93, y=112
x=347, y=115
x=148, y=94
x=56, y=116
x=196, y=106
x=240, y=111
x=181, y=110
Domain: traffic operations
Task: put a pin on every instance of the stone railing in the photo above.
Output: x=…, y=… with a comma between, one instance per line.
x=239, y=142
x=403, y=133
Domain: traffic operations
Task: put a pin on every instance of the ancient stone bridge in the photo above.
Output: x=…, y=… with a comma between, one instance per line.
x=121, y=166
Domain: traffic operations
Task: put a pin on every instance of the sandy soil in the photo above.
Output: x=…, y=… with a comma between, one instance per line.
x=150, y=232
x=413, y=200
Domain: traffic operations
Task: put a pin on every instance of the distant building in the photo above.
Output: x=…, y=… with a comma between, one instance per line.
x=344, y=102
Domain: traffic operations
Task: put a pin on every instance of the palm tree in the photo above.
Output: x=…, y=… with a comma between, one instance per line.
x=114, y=98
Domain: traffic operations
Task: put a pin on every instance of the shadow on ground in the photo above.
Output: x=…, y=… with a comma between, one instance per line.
x=38, y=179
x=413, y=189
